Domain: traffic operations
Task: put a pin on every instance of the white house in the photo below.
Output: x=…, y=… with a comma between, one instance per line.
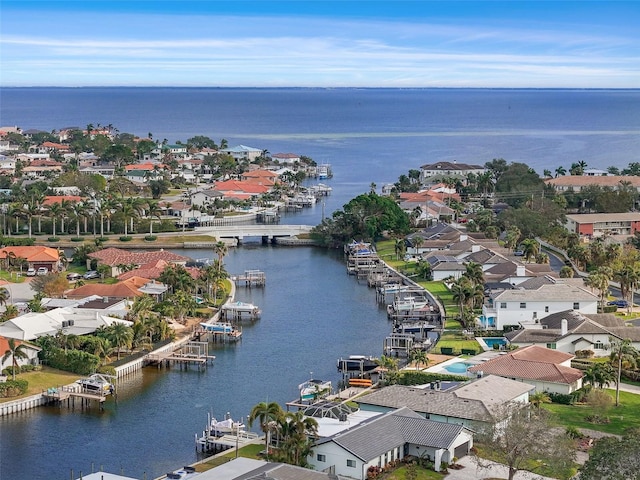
x=242, y=152
x=448, y=169
x=389, y=437
x=513, y=307
x=573, y=332
x=30, y=350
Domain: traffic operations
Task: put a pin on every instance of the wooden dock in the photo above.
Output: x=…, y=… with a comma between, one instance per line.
x=70, y=394
x=250, y=278
x=191, y=353
x=238, y=311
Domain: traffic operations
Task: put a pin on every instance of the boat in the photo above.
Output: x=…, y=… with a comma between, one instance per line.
x=96, y=383
x=357, y=363
x=224, y=427
x=314, y=389
x=218, y=327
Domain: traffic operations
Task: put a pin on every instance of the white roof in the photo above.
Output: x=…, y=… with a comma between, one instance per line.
x=105, y=476
x=551, y=293
x=33, y=325
x=328, y=427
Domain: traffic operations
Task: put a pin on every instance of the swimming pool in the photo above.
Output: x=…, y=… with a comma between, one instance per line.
x=457, y=367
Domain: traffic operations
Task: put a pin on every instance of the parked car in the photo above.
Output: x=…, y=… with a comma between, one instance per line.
x=91, y=274
x=618, y=303
x=31, y=272
x=72, y=277
x=42, y=271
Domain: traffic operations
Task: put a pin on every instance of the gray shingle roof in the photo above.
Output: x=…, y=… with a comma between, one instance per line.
x=376, y=437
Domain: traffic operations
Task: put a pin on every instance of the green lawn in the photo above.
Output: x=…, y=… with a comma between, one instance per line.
x=249, y=451
x=43, y=379
x=537, y=466
x=400, y=473
x=627, y=415
x=12, y=277
x=457, y=342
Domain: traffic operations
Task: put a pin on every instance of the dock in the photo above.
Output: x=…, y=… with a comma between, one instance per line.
x=70, y=393
x=250, y=278
x=238, y=311
x=191, y=353
x=218, y=333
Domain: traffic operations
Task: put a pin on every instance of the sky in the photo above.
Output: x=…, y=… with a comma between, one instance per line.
x=340, y=43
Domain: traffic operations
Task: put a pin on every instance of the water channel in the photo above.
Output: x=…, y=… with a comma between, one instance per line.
x=312, y=314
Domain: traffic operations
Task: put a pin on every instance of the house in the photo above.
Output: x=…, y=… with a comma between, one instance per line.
x=448, y=169
x=206, y=197
x=35, y=256
x=51, y=199
x=105, y=171
x=470, y=404
x=445, y=266
x=286, y=158
x=242, y=152
x=128, y=289
x=30, y=350
x=578, y=182
x=513, y=307
x=116, y=258
x=573, y=332
x=67, y=320
x=599, y=224
x=241, y=190
x=387, y=438
x=436, y=237
x=545, y=369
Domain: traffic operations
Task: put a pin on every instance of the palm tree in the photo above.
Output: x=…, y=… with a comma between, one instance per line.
x=560, y=171
x=153, y=210
x=419, y=357
x=266, y=414
x=538, y=398
x=55, y=211
x=530, y=248
x=400, y=248
x=78, y=211
x=473, y=271
x=15, y=353
x=417, y=241
x=512, y=237
x=599, y=375
x=296, y=434
x=120, y=336
x=622, y=351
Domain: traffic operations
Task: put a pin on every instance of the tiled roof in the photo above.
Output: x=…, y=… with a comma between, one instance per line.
x=551, y=293
x=381, y=434
x=531, y=363
x=116, y=256
x=126, y=289
x=465, y=402
x=51, y=199
x=32, y=253
x=451, y=166
x=240, y=187
x=583, y=181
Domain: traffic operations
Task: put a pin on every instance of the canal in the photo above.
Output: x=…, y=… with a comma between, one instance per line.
x=312, y=314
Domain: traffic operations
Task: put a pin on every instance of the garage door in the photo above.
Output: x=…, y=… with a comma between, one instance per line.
x=462, y=450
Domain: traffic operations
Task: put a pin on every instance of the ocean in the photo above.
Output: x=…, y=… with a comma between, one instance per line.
x=313, y=312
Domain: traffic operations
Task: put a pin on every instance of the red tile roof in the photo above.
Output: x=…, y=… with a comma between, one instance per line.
x=116, y=256
x=51, y=199
x=531, y=363
x=126, y=289
x=32, y=254
x=241, y=187
x=144, y=166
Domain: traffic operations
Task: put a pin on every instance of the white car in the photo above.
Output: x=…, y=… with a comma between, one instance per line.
x=42, y=271
x=31, y=272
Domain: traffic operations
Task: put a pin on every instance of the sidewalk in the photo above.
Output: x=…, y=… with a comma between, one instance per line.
x=471, y=471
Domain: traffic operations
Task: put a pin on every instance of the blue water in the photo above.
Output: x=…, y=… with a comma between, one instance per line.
x=458, y=367
x=313, y=312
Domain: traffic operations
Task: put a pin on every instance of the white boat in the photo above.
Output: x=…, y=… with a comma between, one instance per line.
x=96, y=383
x=218, y=327
x=314, y=389
x=228, y=426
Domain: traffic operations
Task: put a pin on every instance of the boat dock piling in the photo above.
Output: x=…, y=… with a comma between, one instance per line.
x=69, y=394
x=193, y=352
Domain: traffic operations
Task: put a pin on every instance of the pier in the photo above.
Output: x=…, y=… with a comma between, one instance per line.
x=238, y=311
x=191, y=353
x=70, y=394
x=250, y=278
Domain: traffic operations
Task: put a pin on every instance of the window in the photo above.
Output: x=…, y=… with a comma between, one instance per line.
x=546, y=309
x=351, y=463
x=523, y=304
x=503, y=304
x=598, y=346
x=322, y=458
x=552, y=346
x=576, y=305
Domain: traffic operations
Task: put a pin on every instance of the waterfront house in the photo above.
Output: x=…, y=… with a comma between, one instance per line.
x=436, y=237
x=576, y=183
x=242, y=152
x=240, y=190
x=545, y=369
x=66, y=320
x=518, y=305
x=206, y=197
x=115, y=258
x=286, y=158
x=444, y=266
x=387, y=438
x=35, y=256
x=30, y=350
x=599, y=224
x=573, y=332
x=127, y=289
x=470, y=404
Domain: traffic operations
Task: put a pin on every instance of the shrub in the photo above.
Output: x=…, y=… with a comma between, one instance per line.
x=53, y=239
x=573, y=433
x=127, y=238
x=77, y=239
x=584, y=353
x=561, y=398
x=468, y=351
x=446, y=350
x=609, y=309
x=150, y=238
x=13, y=388
x=599, y=399
x=420, y=378
x=17, y=241
x=75, y=361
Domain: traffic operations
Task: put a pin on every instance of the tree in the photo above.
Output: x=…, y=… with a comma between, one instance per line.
x=419, y=357
x=15, y=353
x=296, y=434
x=5, y=295
x=519, y=183
x=121, y=336
x=266, y=414
x=530, y=248
x=566, y=272
x=538, y=398
x=153, y=211
x=516, y=438
x=400, y=248
x=622, y=352
x=613, y=458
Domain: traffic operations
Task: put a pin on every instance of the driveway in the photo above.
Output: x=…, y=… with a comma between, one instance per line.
x=471, y=471
x=19, y=292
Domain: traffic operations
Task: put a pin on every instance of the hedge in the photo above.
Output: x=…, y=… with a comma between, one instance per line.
x=126, y=238
x=469, y=351
x=17, y=241
x=13, y=388
x=75, y=361
x=420, y=378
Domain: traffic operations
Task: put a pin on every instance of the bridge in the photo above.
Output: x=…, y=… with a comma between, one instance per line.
x=266, y=232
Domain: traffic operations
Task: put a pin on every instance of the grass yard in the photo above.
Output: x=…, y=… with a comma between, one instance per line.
x=457, y=342
x=12, y=277
x=400, y=473
x=627, y=415
x=43, y=379
x=535, y=466
x=249, y=451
